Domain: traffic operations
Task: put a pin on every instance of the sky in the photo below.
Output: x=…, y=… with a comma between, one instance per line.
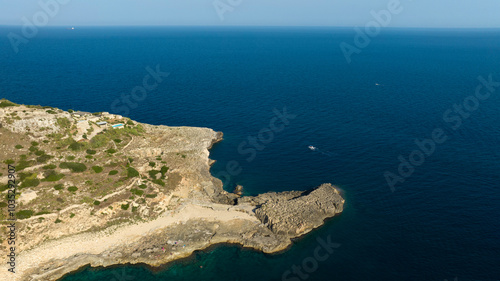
x=417, y=13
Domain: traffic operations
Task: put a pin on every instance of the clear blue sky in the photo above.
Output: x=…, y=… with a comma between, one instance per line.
x=417, y=13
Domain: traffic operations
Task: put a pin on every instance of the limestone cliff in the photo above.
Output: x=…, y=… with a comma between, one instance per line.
x=89, y=194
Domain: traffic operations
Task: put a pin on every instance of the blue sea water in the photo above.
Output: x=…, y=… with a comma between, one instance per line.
x=441, y=223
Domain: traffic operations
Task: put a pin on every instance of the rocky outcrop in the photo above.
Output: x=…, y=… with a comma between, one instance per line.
x=293, y=216
x=238, y=190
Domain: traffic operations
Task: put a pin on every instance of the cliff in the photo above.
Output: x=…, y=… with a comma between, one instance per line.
x=89, y=194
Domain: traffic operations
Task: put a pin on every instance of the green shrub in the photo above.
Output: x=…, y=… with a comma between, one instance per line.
x=63, y=122
x=143, y=186
x=151, y=195
x=87, y=200
x=134, y=209
x=152, y=164
x=58, y=221
x=34, y=106
x=91, y=151
x=42, y=213
x=137, y=192
x=6, y=103
x=58, y=186
x=97, y=169
x=159, y=181
x=53, y=176
x=9, y=161
x=23, y=164
x=62, y=140
x=117, y=140
x=136, y=131
x=18, y=146
x=111, y=151
x=23, y=176
x=130, y=122
x=34, y=143
x=113, y=172
x=3, y=204
x=99, y=140
x=132, y=173
x=89, y=156
x=30, y=182
x=70, y=157
x=163, y=171
x=24, y=214
x=97, y=202
x=72, y=188
x=75, y=146
x=73, y=166
x=153, y=173
x=39, y=152
x=44, y=158
x=125, y=206
x=33, y=148
x=49, y=167
x=71, y=215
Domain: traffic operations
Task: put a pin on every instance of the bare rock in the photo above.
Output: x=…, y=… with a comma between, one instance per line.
x=299, y=215
x=238, y=190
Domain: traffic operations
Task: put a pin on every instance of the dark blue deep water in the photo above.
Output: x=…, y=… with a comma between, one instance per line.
x=441, y=223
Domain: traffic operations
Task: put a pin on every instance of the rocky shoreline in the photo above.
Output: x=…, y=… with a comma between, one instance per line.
x=181, y=240
x=190, y=212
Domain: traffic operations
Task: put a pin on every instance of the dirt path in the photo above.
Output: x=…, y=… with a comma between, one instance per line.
x=128, y=143
x=98, y=243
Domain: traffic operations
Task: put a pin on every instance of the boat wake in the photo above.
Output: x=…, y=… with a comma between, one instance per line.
x=324, y=152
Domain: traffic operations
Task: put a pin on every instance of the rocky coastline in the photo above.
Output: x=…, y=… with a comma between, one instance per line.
x=190, y=210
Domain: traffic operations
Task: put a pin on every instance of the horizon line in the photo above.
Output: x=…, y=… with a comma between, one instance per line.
x=265, y=26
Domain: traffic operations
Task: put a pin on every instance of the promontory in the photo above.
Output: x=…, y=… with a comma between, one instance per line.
x=101, y=189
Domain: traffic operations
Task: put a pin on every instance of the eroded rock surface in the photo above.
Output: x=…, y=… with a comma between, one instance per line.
x=292, y=216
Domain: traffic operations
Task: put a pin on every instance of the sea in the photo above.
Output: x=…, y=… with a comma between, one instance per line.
x=408, y=129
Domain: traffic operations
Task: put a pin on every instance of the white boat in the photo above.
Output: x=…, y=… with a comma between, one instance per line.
x=312, y=147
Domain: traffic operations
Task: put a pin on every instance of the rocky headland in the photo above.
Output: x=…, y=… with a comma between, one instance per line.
x=91, y=194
